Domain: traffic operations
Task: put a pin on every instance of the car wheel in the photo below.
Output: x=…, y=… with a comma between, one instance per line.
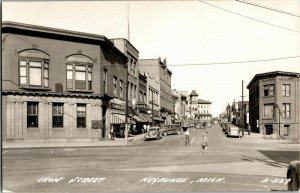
x=293, y=185
x=165, y=134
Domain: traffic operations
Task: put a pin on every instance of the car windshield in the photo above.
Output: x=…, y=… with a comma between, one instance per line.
x=153, y=129
x=234, y=128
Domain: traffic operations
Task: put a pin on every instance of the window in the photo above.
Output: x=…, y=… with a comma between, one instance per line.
x=105, y=80
x=268, y=110
x=286, y=110
x=115, y=86
x=32, y=114
x=81, y=115
x=34, y=69
x=286, y=90
x=57, y=114
x=79, y=72
x=269, y=90
x=121, y=89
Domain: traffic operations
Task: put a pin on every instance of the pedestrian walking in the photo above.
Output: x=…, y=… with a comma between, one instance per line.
x=112, y=133
x=144, y=128
x=249, y=129
x=187, y=137
x=148, y=127
x=205, y=143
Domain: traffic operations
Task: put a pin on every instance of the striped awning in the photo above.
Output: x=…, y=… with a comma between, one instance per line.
x=158, y=119
x=119, y=119
x=139, y=119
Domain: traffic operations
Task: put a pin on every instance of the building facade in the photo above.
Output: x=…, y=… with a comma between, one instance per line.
x=274, y=104
x=160, y=71
x=58, y=84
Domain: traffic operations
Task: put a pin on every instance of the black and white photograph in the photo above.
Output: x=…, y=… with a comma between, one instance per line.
x=150, y=96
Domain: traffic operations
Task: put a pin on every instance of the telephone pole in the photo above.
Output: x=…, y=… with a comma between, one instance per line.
x=243, y=121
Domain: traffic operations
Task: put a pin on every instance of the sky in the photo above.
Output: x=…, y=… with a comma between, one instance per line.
x=201, y=40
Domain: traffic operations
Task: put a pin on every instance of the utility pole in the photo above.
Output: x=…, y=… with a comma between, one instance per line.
x=126, y=90
x=128, y=26
x=126, y=104
x=152, y=108
x=243, y=108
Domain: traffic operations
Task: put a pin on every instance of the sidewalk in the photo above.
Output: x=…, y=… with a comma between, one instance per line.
x=278, y=144
x=55, y=143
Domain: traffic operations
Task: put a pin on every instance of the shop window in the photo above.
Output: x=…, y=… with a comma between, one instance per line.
x=57, y=114
x=268, y=111
x=34, y=69
x=81, y=115
x=79, y=72
x=32, y=114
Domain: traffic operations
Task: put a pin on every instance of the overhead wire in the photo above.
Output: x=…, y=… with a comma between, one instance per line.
x=269, y=8
x=226, y=63
x=232, y=12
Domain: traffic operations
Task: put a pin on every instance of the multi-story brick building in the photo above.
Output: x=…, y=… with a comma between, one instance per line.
x=59, y=84
x=200, y=109
x=274, y=104
x=160, y=71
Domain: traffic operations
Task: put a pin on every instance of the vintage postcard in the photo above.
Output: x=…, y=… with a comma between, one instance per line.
x=150, y=96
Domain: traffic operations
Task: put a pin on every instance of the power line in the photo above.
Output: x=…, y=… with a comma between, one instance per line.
x=225, y=63
x=269, y=8
x=249, y=17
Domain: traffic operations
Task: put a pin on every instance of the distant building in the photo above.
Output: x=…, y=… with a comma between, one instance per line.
x=160, y=71
x=200, y=110
x=274, y=104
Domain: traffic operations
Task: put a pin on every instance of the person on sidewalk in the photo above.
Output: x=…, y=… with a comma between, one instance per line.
x=187, y=137
x=112, y=133
x=249, y=129
x=204, y=142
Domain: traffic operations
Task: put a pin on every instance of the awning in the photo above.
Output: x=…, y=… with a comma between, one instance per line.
x=158, y=119
x=146, y=117
x=138, y=119
x=119, y=119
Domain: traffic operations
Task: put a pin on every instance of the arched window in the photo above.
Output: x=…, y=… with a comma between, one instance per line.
x=34, y=68
x=79, y=72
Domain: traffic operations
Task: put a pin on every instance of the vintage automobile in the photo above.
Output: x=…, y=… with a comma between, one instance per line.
x=153, y=133
x=294, y=176
x=208, y=124
x=171, y=129
x=232, y=130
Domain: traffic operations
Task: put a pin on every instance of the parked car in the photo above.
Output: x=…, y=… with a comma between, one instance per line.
x=232, y=130
x=171, y=129
x=153, y=133
x=208, y=124
x=294, y=175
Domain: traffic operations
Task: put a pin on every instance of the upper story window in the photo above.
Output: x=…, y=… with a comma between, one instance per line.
x=34, y=68
x=286, y=110
x=105, y=80
x=79, y=72
x=269, y=90
x=115, y=86
x=121, y=89
x=286, y=90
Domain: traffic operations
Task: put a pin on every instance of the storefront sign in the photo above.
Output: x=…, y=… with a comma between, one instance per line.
x=117, y=106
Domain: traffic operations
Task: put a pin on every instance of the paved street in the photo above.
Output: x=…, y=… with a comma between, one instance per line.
x=231, y=164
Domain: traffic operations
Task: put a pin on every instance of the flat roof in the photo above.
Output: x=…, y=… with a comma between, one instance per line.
x=55, y=33
x=272, y=74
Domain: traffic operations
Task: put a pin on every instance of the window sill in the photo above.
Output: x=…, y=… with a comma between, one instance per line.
x=80, y=91
x=35, y=88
